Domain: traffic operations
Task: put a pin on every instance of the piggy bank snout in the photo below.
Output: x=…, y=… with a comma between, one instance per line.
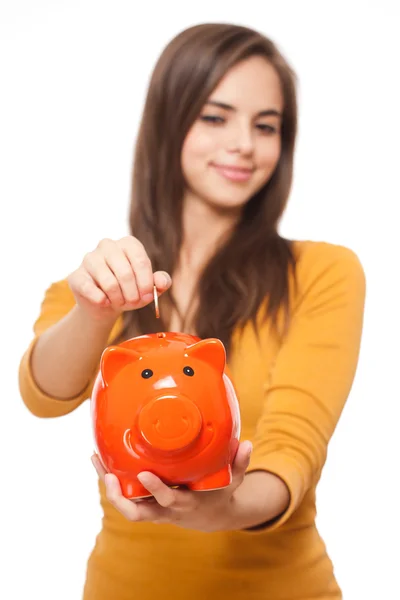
x=170, y=422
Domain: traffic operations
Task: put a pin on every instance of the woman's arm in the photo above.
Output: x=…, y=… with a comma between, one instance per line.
x=66, y=355
x=57, y=370
x=259, y=500
x=312, y=376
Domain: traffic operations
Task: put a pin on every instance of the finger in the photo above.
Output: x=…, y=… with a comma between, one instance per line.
x=83, y=284
x=120, y=265
x=162, y=281
x=141, y=266
x=96, y=266
x=118, y=501
x=241, y=462
x=153, y=512
x=98, y=465
x=133, y=511
x=165, y=496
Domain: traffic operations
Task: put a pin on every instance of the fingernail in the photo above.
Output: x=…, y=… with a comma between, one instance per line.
x=166, y=279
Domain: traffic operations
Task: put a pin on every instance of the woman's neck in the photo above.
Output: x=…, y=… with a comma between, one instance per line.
x=205, y=227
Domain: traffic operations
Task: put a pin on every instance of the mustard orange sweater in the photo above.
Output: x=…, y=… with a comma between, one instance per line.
x=291, y=396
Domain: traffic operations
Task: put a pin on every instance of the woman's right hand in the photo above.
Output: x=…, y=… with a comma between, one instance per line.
x=115, y=277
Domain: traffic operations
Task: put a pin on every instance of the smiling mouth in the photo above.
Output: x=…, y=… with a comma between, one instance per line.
x=233, y=173
x=233, y=167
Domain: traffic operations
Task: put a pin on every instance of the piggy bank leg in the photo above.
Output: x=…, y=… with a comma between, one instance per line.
x=133, y=489
x=215, y=481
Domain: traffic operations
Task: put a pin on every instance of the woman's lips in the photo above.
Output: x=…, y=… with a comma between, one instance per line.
x=233, y=173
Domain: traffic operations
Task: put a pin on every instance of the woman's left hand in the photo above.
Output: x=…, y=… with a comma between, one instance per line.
x=204, y=511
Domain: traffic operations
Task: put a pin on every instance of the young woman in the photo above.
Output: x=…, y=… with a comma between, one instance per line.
x=212, y=174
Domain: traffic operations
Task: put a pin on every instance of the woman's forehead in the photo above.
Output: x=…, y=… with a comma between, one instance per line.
x=252, y=84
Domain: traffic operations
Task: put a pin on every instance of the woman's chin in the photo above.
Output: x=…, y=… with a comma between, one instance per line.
x=225, y=201
x=227, y=205
x=219, y=200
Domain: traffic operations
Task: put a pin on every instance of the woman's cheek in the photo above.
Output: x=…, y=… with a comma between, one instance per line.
x=269, y=157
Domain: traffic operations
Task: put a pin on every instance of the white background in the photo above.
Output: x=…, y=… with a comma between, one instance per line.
x=73, y=78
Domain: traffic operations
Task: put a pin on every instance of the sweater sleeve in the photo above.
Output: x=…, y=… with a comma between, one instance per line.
x=57, y=303
x=313, y=373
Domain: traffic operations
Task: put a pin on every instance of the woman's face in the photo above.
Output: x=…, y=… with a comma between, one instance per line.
x=232, y=149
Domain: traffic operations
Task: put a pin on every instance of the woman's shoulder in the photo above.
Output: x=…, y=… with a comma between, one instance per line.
x=320, y=258
x=56, y=302
x=58, y=296
x=60, y=288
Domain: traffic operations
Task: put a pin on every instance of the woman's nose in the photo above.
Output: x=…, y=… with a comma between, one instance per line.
x=241, y=140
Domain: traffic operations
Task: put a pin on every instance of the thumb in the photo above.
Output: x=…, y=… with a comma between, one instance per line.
x=162, y=281
x=241, y=462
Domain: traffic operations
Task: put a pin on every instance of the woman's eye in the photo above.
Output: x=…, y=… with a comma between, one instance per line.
x=212, y=119
x=218, y=120
x=266, y=128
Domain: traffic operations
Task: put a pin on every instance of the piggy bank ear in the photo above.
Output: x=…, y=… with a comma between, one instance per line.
x=211, y=350
x=113, y=359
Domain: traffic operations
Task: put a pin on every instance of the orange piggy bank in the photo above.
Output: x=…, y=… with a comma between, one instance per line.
x=165, y=403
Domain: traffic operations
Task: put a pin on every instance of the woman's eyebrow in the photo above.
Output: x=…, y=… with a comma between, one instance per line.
x=263, y=113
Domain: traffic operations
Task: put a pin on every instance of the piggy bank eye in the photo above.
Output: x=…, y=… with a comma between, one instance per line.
x=188, y=371
x=147, y=373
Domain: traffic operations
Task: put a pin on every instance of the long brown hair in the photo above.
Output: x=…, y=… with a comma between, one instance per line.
x=253, y=266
